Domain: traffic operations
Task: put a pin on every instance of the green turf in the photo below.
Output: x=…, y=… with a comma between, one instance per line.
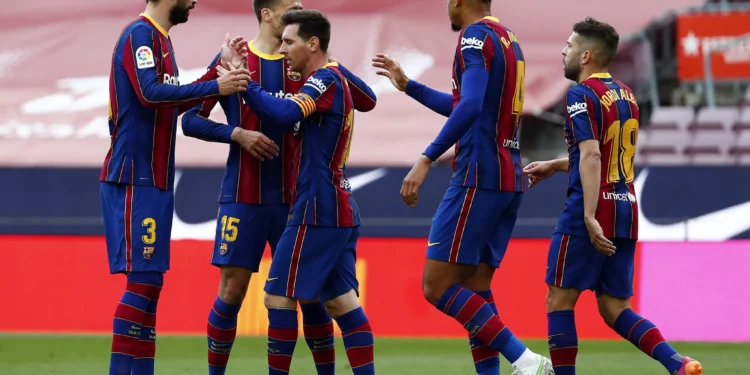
x=89, y=355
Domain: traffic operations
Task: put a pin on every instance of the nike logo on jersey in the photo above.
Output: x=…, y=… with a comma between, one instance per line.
x=207, y=230
x=719, y=225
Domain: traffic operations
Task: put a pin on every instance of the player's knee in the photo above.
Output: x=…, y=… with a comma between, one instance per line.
x=233, y=293
x=559, y=299
x=342, y=304
x=610, y=308
x=433, y=290
x=273, y=301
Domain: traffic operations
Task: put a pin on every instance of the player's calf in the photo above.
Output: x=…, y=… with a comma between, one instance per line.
x=318, y=330
x=282, y=332
x=486, y=359
x=639, y=331
x=356, y=331
x=561, y=329
x=221, y=329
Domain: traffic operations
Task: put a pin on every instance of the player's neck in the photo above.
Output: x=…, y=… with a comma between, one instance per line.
x=318, y=61
x=159, y=13
x=266, y=42
x=587, y=72
x=476, y=16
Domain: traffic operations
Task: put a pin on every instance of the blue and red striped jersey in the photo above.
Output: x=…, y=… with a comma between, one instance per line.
x=145, y=99
x=603, y=109
x=246, y=179
x=488, y=156
x=323, y=195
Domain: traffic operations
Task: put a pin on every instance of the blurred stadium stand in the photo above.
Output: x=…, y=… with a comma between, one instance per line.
x=53, y=114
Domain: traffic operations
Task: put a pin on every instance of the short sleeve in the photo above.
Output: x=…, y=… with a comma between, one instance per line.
x=581, y=115
x=316, y=95
x=477, y=48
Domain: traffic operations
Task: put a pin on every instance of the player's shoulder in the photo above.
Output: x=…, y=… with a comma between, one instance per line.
x=581, y=89
x=578, y=96
x=474, y=35
x=324, y=77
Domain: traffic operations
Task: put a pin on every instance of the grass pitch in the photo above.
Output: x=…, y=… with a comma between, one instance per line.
x=180, y=355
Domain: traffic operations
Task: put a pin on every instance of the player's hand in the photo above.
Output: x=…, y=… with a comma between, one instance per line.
x=234, y=52
x=391, y=69
x=414, y=180
x=233, y=80
x=537, y=171
x=601, y=243
x=256, y=143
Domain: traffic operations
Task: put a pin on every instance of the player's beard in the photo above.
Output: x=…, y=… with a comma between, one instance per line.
x=455, y=27
x=179, y=14
x=572, y=72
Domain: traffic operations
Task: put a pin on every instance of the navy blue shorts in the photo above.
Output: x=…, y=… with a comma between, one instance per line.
x=242, y=231
x=312, y=262
x=574, y=263
x=473, y=226
x=137, y=226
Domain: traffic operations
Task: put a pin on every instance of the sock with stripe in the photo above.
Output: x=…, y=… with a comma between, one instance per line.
x=150, y=284
x=358, y=340
x=486, y=360
x=220, y=332
x=282, y=338
x=126, y=328
x=477, y=317
x=563, y=341
x=646, y=337
x=318, y=329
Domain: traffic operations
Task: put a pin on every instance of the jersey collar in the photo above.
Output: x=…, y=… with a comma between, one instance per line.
x=490, y=18
x=156, y=25
x=262, y=55
x=600, y=75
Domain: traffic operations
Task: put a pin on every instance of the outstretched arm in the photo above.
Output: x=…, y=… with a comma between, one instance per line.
x=437, y=101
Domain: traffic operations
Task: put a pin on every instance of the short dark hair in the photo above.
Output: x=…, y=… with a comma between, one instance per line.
x=311, y=23
x=603, y=35
x=259, y=5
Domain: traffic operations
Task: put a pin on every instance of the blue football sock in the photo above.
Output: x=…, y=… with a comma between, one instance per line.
x=150, y=284
x=646, y=337
x=318, y=329
x=221, y=332
x=486, y=360
x=358, y=340
x=282, y=338
x=563, y=341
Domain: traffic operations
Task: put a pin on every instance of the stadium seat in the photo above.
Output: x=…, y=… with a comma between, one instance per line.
x=710, y=146
x=744, y=121
x=741, y=149
x=663, y=146
x=672, y=117
x=716, y=118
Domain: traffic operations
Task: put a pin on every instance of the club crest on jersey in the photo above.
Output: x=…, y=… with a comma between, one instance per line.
x=144, y=58
x=148, y=251
x=471, y=43
x=223, y=248
x=294, y=76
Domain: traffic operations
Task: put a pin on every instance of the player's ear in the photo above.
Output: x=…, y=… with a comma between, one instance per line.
x=313, y=44
x=586, y=57
x=265, y=14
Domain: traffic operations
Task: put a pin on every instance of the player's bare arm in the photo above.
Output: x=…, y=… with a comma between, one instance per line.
x=255, y=143
x=591, y=168
x=540, y=170
x=414, y=180
x=439, y=102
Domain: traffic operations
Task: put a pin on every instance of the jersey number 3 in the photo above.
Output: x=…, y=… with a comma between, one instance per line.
x=623, y=138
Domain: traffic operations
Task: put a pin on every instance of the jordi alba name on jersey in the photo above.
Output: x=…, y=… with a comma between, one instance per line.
x=603, y=109
x=488, y=156
x=323, y=195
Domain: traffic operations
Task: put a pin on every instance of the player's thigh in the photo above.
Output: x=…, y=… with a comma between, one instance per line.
x=343, y=276
x=460, y=228
x=507, y=205
x=302, y=261
x=278, y=215
x=616, y=278
x=150, y=229
x=241, y=234
x=573, y=263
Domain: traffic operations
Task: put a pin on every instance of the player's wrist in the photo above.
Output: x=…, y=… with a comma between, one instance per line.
x=236, y=133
